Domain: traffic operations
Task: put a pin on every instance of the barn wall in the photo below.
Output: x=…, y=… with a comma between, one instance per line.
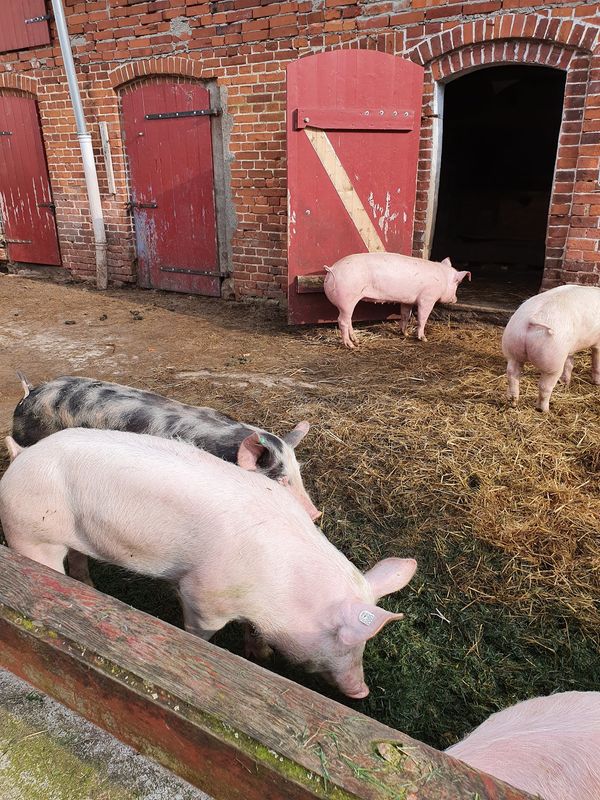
x=245, y=45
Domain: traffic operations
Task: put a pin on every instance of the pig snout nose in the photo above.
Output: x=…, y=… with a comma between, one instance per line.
x=360, y=693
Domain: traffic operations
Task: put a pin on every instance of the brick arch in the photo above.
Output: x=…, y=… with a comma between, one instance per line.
x=172, y=65
x=508, y=39
x=18, y=82
x=509, y=27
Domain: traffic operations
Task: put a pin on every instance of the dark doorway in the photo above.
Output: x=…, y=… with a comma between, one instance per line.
x=500, y=136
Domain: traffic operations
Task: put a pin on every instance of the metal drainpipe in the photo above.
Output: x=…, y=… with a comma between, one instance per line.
x=85, y=142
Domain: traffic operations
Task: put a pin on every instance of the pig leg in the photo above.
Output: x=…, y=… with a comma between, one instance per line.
x=424, y=309
x=51, y=555
x=78, y=567
x=513, y=374
x=567, y=370
x=195, y=619
x=345, y=323
x=548, y=381
x=596, y=365
x=405, y=314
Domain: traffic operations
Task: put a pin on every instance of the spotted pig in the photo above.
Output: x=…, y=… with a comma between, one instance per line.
x=72, y=402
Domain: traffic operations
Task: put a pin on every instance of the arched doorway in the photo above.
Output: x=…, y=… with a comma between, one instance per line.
x=500, y=136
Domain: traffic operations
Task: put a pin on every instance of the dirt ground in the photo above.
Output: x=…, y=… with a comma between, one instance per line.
x=132, y=335
x=412, y=452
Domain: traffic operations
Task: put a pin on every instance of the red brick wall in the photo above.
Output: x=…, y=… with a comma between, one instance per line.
x=245, y=45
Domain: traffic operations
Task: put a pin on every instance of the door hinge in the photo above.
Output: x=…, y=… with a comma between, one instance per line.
x=31, y=20
x=203, y=112
x=18, y=241
x=134, y=204
x=51, y=206
x=207, y=272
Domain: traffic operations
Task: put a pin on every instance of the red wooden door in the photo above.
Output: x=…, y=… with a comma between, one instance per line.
x=26, y=203
x=353, y=127
x=172, y=186
x=24, y=24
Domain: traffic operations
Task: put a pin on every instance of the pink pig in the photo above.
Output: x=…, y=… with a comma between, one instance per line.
x=547, y=746
x=237, y=544
x=547, y=330
x=390, y=278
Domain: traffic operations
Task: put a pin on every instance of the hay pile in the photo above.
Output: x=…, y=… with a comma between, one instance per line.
x=414, y=448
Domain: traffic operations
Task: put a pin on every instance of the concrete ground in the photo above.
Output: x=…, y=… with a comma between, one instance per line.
x=49, y=753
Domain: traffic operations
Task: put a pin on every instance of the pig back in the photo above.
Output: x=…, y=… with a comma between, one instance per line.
x=547, y=745
x=387, y=277
x=73, y=402
x=155, y=505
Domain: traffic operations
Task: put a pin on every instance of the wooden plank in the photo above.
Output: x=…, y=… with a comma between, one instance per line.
x=307, y=284
x=342, y=184
x=228, y=726
x=356, y=119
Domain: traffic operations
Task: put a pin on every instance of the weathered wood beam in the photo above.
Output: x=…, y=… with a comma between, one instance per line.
x=309, y=284
x=227, y=726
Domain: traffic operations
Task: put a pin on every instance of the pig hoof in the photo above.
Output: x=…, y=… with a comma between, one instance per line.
x=422, y=338
x=350, y=345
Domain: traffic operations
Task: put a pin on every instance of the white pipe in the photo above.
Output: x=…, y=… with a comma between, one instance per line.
x=85, y=143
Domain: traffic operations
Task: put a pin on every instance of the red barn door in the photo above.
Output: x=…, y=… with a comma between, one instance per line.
x=353, y=124
x=26, y=205
x=169, y=146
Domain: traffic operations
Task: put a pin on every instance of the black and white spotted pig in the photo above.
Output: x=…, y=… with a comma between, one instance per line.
x=71, y=402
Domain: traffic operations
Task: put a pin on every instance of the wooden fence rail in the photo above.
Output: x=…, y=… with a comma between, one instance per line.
x=227, y=726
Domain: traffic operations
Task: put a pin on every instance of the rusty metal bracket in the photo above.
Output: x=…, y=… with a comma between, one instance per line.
x=43, y=18
x=203, y=112
x=208, y=272
x=18, y=241
x=131, y=204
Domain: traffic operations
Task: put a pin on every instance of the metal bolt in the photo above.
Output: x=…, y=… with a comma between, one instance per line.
x=406, y=113
x=394, y=113
x=381, y=113
x=307, y=212
x=367, y=113
x=306, y=119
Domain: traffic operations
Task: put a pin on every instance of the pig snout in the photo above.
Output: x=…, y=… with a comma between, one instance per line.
x=359, y=692
x=307, y=504
x=301, y=495
x=351, y=684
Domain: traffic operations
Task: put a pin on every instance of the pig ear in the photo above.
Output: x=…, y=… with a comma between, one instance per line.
x=360, y=622
x=249, y=451
x=13, y=448
x=447, y=262
x=295, y=436
x=390, y=575
x=462, y=275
